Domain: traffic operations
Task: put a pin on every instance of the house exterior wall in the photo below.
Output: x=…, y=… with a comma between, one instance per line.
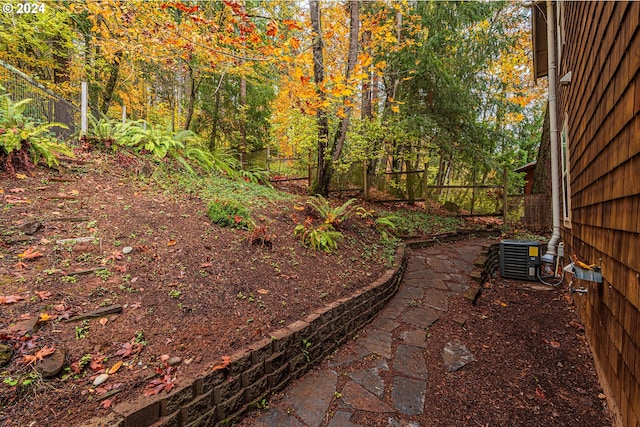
x=601, y=109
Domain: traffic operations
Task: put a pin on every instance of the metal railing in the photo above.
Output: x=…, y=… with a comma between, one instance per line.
x=46, y=107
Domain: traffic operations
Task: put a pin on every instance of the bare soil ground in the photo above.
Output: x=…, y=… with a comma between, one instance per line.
x=188, y=289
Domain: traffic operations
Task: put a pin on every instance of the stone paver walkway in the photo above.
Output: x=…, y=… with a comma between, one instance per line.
x=397, y=338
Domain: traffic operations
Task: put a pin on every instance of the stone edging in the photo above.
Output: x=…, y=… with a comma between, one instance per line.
x=269, y=365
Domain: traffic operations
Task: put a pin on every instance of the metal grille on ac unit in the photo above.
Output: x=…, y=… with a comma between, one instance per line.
x=519, y=259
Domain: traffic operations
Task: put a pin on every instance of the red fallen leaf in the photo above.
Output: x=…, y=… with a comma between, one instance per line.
x=10, y=299
x=540, y=394
x=75, y=367
x=20, y=266
x=166, y=383
x=30, y=253
x=225, y=362
x=96, y=363
x=237, y=219
x=106, y=404
x=127, y=349
x=66, y=315
x=40, y=354
x=44, y=295
x=121, y=268
x=554, y=344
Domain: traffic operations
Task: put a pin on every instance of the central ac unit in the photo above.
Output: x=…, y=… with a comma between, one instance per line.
x=519, y=259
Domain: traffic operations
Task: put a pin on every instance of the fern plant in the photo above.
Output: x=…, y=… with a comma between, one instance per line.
x=330, y=215
x=386, y=225
x=23, y=141
x=322, y=238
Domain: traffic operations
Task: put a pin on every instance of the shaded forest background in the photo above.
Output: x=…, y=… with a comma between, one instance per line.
x=396, y=86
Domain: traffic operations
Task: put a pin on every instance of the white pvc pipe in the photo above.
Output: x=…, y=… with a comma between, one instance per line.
x=553, y=130
x=84, y=108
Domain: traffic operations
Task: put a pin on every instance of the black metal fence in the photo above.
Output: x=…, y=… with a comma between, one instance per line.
x=46, y=106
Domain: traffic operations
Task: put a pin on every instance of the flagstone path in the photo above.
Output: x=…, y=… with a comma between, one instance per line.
x=386, y=372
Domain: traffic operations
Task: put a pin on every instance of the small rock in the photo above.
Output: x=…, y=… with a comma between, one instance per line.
x=175, y=360
x=456, y=355
x=127, y=250
x=51, y=365
x=30, y=227
x=100, y=379
x=23, y=327
x=5, y=354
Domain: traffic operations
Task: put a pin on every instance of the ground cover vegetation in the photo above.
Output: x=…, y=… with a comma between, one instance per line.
x=162, y=216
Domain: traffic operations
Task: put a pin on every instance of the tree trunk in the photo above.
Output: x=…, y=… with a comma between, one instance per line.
x=110, y=87
x=243, y=120
x=193, y=90
x=216, y=119
x=321, y=185
x=367, y=107
x=343, y=125
x=354, y=28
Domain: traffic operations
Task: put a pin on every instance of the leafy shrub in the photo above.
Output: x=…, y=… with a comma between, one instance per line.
x=24, y=142
x=226, y=214
x=323, y=238
x=331, y=216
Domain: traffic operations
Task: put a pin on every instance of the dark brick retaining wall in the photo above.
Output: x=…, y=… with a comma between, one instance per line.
x=265, y=367
x=269, y=365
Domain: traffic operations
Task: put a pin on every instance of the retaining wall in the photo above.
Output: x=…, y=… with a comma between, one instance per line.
x=223, y=396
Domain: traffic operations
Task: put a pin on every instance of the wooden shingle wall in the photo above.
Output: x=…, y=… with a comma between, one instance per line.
x=602, y=109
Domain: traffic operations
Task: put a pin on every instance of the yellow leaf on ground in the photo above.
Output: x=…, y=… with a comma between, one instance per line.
x=44, y=317
x=114, y=368
x=171, y=242
x=21, y=176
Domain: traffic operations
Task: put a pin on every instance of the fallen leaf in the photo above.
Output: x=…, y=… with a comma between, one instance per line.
x=114, y=368
x=206, y=265
x=103, y=321
x=554, y=344
x=44, y=317
x=601, y=396
x=40, y=354
x=96, y=363
x=298, y=208
x=263, y=291
x=59, y=307
x=135, y=305
x=44, y=295
x=17, y=190
x=225, y=362
x=21, y=176
x=164, y=357
x=106, y=404
x=540, y=394
x=171, y=242
x=20, y=266
x=10, y=299
x=75, y=192
x=30, y=253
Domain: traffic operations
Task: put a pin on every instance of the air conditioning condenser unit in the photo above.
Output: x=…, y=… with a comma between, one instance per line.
x=520, y=259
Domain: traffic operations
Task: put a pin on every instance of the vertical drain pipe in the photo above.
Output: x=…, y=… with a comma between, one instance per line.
x=553, y=134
